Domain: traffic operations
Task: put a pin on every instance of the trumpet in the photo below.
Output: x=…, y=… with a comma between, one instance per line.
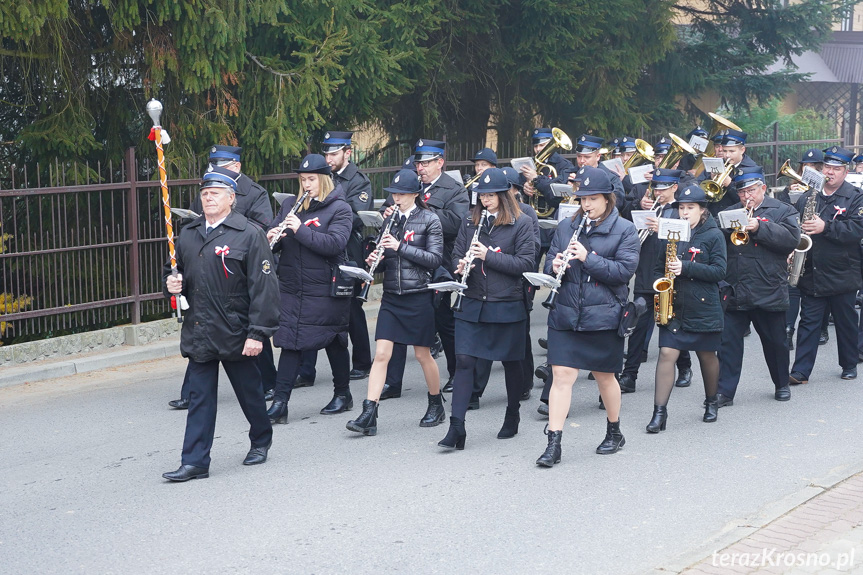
x=713, y=188
x=284, y=225
x=379, y=251
x=456, y=306
x=739, y=236
x=550, y=302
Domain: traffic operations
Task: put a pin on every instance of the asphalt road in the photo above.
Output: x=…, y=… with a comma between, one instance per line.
x=81, y=491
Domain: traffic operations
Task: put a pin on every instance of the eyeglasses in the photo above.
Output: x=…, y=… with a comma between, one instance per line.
x=424, y=163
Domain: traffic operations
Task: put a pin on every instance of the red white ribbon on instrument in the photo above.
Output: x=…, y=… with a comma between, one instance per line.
x=694, y=251
x=839, y=211
x=313, y=222
x=409, y=235
x=223, y=251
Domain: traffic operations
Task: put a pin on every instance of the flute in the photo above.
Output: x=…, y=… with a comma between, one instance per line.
x=550, y=303
x=456, y=306
x=379, y=251
x=284, y=225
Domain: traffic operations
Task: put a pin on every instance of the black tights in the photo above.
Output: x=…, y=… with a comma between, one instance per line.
x=665, y=373
x=462, y=384
x=289, y=367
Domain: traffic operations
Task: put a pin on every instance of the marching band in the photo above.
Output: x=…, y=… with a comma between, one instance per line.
x=714, y=248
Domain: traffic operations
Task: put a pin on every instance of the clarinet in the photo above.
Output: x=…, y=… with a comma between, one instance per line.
x=379, y=251
x=456, y=306
x=549, y=303
x=283, y=226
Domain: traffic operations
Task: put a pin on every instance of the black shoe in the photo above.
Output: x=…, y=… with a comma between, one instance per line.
x=525, y=395
x=359, y=374
x=179, y=403
x=447, y=388
x=552, y=452
x=684, y=378
x=542, y=409
x=278, y=412
x=711, y=409
x=782, y=393
x=455, y=435
x=435, y=413
x=338, y=404
x=436, y=347
x=187, y=472
x=473, y=404
x=849, y=373
x=269, y=394
x=626, y=382
x=657, y=422
x=601, y=404
x=303, y=382
x=257, y=455
x=542, y=372
x=543, y=343
x=643, y=358
x=367, y=422
x=510, y=423
x=613, y=441
x=824, y=337
x=390, y=392
x=722, y=401
x=789, y=337
x=797, y=378
x=590, y=376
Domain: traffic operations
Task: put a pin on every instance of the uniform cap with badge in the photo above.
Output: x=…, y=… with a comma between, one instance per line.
x=220, y=155
x=541, y=135
x=404, y=182
x=492, y=180
x=625, y=144
x=734, y=138
x=335, y=141
x=486, y=154
x=514, y=177
x=593, y=181
x=428, y=150
x=588, y=144
x=750, y=176
x=812, y=156
x=664, y=178
x=662, y=146
x=217, y=177
x=314, y=164
x=692, y=194
x=837, y=156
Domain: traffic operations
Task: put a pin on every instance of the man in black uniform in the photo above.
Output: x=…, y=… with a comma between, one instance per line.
x=450, y=201
x=483, y=160
x=226, y=273
x=337, y=150
x=831, y=274
x=252, y=202
x=733, y=145
x=624, y=148
x=758, y=275
x=587, y=154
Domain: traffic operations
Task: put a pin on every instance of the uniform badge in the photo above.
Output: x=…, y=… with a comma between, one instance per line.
x=583, y=138
x=687, y=192
x=626, y=139
x=487, y=179
x=306, y=164
x=327, y=136
x=397, y=179
x=809, y=154
x=536, y=131
x=420, y=143
x=266, y=267
x=834, y=149
x=860, y=212
x=364, y=197
x=209, y=168
x=409, y=235
x=213, y=150
x=587, y=181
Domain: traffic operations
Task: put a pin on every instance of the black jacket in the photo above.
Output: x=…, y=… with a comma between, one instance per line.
x=450, y=201
x=358, y=195
x=511, y=252
x=542, y=183
x=594, y=291
x=253, y=202
x=410, y=269
x=534, y=219
x=833, y=264
x=310, y=318
x=758, y=271
x=730, y=198
x=228, y=302
x=696, y=291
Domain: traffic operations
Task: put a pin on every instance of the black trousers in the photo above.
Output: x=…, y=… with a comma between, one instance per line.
x=445, y=327
x=770, y=326
x=245, y=378
x=463, y=384
x=266, y=365
x=289, y=366
x=812, y=310
x=638, y=341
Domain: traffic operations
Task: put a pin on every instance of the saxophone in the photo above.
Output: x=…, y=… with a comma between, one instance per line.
x=663, y=300
x=798, y=256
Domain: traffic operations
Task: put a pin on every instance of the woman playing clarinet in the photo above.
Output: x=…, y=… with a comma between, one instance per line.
x=596, y=253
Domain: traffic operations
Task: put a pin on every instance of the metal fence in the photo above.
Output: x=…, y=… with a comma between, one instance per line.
x=82, y=246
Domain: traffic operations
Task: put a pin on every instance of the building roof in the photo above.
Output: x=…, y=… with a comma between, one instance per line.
x=839, y=61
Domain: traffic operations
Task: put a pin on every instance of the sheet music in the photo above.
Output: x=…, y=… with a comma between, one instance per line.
x=548, y=224
x=636, y=173
x=184, y=213
x=517, y=163
x=280, y=197
x=447, y=286
x=669, y=225
x=371, y=218
x=728, y=217
x=355, y=272
x=639, y=218
x=566, y=211
x=561, y=190
x=541, y=280
x=456, y=175
x=813, y=178
x=713, y=165
x=615, y=165
x=698, y=143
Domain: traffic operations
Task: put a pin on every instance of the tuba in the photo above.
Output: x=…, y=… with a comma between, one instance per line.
x=663, y=300
x=719, y=123
x=798, y=256
x=643, y=155
x=679, y=148
x=559, y=139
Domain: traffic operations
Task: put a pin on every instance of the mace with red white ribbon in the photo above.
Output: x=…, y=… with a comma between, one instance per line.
x=154, y=110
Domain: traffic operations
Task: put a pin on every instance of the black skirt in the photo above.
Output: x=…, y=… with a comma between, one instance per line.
x=600, y=351
x=492, y=341
x=689, y=340
x=407, y=318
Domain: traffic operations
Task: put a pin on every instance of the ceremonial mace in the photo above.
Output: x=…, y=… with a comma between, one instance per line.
x=154, y=110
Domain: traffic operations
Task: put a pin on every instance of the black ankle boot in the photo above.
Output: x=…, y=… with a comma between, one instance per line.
x=367, y=422
x=657, y=423
x=510, y=423
x=552, y=451
x=278, y=412
x=711, y=409
x=613, y=439
x=455, y=435
x=435, y=414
